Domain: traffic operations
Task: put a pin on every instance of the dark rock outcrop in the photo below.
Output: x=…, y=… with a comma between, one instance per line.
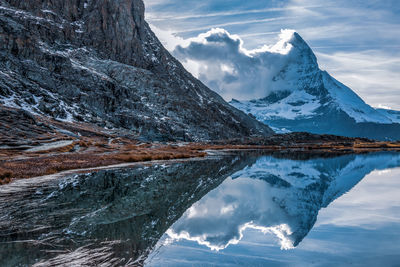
x=99, y=62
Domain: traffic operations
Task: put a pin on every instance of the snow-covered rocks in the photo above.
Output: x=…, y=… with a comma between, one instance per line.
x=304, y=98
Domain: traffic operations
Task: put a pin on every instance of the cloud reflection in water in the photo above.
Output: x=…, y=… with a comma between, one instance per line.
x=278, y=196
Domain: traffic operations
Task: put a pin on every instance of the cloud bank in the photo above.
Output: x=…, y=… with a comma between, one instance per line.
x=337, y=30
x=222, y=217
x=220, y=60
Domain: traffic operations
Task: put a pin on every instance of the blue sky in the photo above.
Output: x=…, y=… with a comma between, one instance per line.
x=358, y=42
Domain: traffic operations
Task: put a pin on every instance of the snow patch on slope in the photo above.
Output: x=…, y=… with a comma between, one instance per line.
x=394, y=115
x=298, y=104
x=299, y=174
x=351, y=103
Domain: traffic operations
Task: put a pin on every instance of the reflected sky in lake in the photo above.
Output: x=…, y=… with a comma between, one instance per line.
x=250, y=208
x=285, y=212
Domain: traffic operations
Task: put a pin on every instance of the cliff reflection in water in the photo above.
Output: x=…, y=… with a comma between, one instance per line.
x=111, y=217
x=116, y=217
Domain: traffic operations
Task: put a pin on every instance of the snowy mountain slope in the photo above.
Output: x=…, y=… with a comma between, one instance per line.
x=394, y=115
x=312, y=100
x=351, y=103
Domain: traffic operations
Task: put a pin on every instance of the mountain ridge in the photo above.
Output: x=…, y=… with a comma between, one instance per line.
x=99, y=62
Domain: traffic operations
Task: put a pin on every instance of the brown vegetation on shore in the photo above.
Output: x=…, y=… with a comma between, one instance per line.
x=34, y=146
x=92, y=153
x=22, y=164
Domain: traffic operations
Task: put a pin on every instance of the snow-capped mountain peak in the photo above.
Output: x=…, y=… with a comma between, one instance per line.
x=302, y=50
x=302, y=97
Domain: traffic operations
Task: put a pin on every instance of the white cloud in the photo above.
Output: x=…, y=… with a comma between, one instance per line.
x=222, y=217
x=232, y=23
x=337, y=31
x=168, y=38
x=219, y=59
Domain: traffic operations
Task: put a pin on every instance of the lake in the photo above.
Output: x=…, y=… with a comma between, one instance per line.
x=231, y=209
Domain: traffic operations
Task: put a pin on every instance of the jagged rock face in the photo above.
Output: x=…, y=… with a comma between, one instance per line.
x=114, y=28
x=99, y=62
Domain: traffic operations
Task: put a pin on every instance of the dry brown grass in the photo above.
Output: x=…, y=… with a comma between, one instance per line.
x=84, y=144
x=97, y=150
x=4, y=173
x=63, y=149
x=5, y=176
x=100, y=154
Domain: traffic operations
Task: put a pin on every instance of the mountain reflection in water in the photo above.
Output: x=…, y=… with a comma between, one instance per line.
x=116, y=217
x=278, y=196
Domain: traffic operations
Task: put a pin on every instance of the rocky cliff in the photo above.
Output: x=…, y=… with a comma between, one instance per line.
x=99, y=62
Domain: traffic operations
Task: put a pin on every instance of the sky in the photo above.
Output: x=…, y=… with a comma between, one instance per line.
x=356, y=41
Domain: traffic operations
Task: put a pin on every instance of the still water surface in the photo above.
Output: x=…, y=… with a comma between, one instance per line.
x=245, y=209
